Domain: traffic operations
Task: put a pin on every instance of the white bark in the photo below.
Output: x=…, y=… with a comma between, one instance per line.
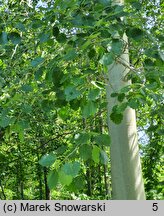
x=126, y=173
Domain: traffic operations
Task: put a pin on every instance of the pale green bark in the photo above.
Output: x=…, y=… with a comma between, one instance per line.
x=126, y=173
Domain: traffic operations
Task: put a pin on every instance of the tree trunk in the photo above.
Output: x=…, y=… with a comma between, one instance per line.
x=126, y=174
x=3, y=192
x=47, y=190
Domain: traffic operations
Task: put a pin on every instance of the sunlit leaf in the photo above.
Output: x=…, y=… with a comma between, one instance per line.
x=52, y=179
x=65, y=179
x=85, y=152
x=89, y=109
x=96, y=154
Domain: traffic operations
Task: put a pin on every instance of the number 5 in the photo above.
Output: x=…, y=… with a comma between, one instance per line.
x=155, y=207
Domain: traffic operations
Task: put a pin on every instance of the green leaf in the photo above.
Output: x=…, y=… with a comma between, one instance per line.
x=105, y=2
x=61, y=38
x=71, y=93
x=77, y=184
x=64, y=113
x=3, y=38
x=121, y=107
x=117, y=111
x=152, y=86
x=44, y=37
x=64, y=178
x=27, y=88
x=89, y=109
x=103, y=157
x=82, y=138
x=121, y=97
x=114, y=94
x=71, y=168
x=47, y=160
x=26, y=108
x=52, y=179
x=116, y=117
x=107, y=59
x=37, y=61
x=4, y=121
x=135, y=33
x=61, y=149
x=160, y=132
x=2, y=157
x=85, y=152
x=135, y=4
x=70, y=55
x=77, y=20
x=92, y=53
x=38, y=74
x=96, y=154
x=103, y=140
x=133, y=103
x=23, y=124
x=93, y=94
x=117, y=46
x=21, y=27
x=14, y=37
x=56, y=31
x=125, y=89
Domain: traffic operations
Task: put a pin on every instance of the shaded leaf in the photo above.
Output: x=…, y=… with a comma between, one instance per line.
x=114, y=94
x=103, y=140
x=121, y=97
x=133, y=103
x=117, y=46
x=3, y=38
x=93, y=94
x=27, y=88
x=4, y=121
x=14, y=37
x=55, y=31
x=116, y=117
x=37, y=61
x=70, y=55
x=85, y=152
x=61, y=38
x=135, y=33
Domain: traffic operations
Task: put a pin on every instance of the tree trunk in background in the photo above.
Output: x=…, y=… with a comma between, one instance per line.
x=39, y=176
x=47, y=190
x=3, y=192
x=126, y=174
